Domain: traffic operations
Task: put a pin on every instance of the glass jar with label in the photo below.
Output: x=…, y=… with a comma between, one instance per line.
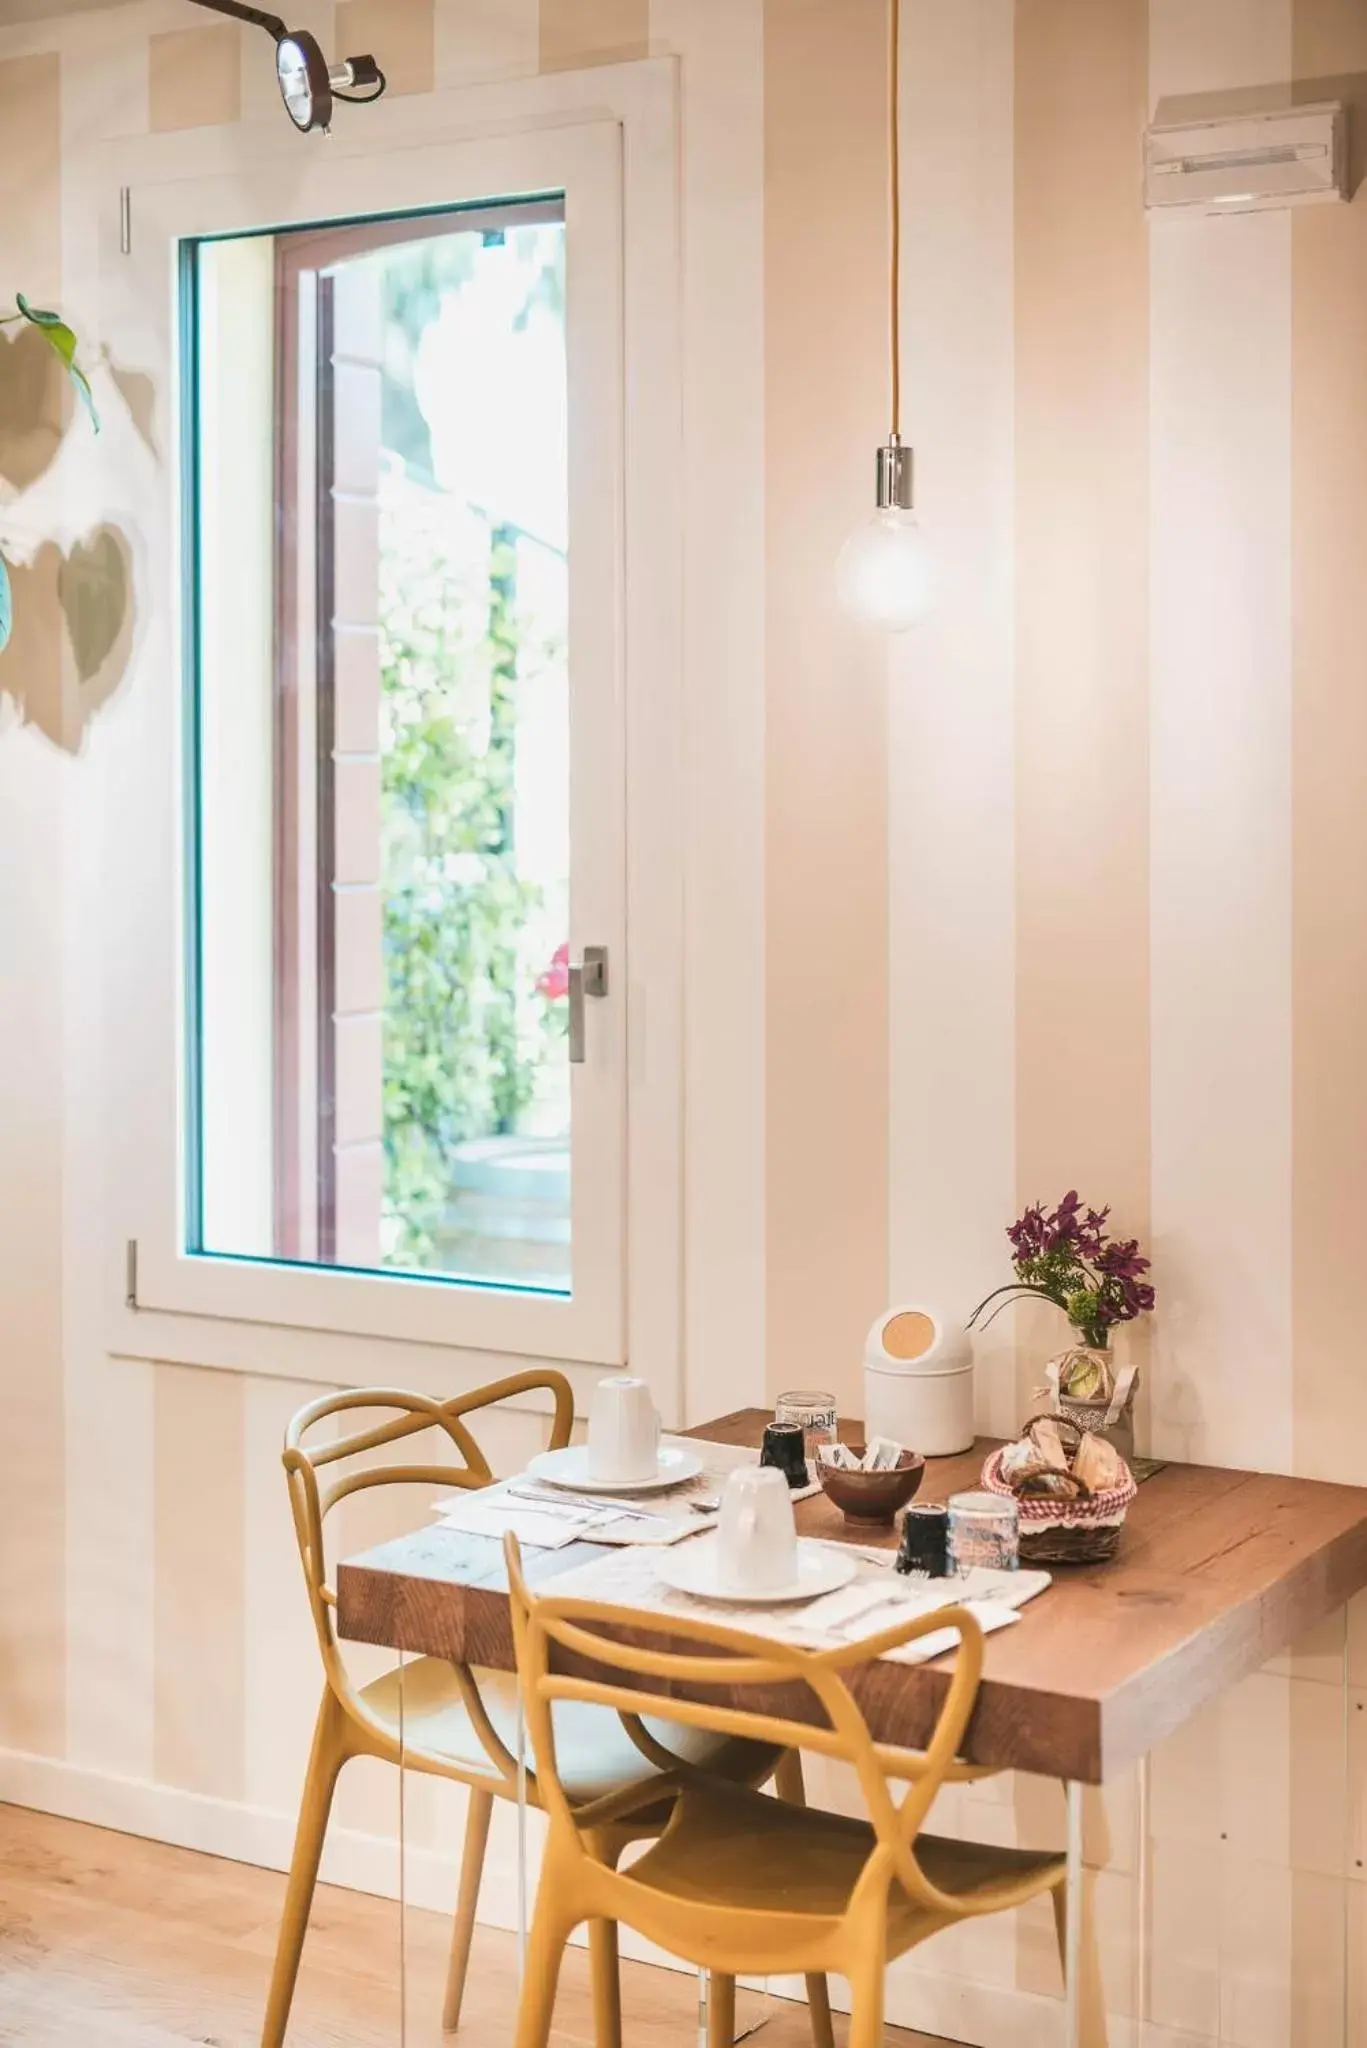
x=984, y=1531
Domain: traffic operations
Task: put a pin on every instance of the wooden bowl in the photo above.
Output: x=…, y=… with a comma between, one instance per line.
x=871, y=1499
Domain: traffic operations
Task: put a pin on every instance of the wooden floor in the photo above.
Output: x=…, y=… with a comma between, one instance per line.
x=107, y=1941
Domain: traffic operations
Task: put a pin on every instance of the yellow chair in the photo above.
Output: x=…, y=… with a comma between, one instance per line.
x=740, y=1883
x=460, y=1722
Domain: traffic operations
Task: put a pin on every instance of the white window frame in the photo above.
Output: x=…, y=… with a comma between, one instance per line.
x=596, y=136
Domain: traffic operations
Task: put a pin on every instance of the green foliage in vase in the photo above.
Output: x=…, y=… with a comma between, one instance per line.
x=1067, y=1255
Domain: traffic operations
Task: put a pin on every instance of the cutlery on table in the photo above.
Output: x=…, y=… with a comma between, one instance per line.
x=529, y=1502
x=577, y=1503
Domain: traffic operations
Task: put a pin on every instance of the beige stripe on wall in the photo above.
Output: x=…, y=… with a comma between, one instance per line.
x=1220, y=778
x=1329, y=770
x=200, y=1595
x=592, y=32
x=825, y=256
x=1082, y=1074
x=30, y=178
x=399, y=34
x=194, y=77
x=32, y=784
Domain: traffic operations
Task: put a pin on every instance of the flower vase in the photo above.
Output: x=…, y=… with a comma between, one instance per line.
x=1106, y=1407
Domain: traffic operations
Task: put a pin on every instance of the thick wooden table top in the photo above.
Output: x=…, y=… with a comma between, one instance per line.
x=1217, y=1572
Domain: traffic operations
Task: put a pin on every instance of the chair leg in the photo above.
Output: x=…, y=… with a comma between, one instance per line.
x=866, y=2009
x=607, y=1984
x=477, y=1819
x=721, y=2010
x=604, y=1967
x=328, y=1755
x=545, y=1949
x=790, y=1787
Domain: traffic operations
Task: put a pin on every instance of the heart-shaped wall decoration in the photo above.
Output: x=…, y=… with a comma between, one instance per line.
x=73, y=634
x=93, y=591
x=35, y=406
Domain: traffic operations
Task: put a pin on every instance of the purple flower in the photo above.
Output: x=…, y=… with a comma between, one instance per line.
x=1028, y=1235
x=1121, y=1260
x=1066, y=1255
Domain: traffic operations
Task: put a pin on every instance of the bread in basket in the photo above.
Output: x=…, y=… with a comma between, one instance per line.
x=1083, y=1529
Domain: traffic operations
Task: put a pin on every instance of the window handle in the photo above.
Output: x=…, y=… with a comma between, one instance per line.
x=588, y=977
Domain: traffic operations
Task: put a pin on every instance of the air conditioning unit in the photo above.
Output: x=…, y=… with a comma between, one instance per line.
x=1288, y=156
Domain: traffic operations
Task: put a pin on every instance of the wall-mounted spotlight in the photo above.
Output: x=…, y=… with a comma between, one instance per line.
x=308, y=83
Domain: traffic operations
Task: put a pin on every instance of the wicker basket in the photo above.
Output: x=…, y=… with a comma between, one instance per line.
x=1066, y=1532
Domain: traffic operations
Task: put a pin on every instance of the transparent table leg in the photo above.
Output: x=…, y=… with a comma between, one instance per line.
x=1143, y=1895
x=759, y=2020
x=403, y=1857
x=1072, y=1943
x=1349, y=1831
x=521, y=1844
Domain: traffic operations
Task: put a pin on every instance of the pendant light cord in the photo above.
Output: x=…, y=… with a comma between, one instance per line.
x=895, y=210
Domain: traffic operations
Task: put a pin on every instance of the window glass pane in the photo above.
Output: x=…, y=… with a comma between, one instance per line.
x=380, y=841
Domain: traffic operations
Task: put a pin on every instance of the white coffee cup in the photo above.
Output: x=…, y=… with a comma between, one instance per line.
x=756, y=1533
x=624, y=1431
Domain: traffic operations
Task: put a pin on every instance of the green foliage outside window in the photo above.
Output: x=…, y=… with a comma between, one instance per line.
x=459, y=1060
x=468, y=1024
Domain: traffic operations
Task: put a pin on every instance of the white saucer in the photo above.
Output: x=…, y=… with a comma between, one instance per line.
x=570, y=1468
x=692, y=1568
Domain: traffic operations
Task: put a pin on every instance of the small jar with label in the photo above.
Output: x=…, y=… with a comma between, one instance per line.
x=984, y=1531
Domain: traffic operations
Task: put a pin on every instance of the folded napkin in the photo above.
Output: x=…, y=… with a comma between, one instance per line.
x=867, y=1607
x=540, y=1529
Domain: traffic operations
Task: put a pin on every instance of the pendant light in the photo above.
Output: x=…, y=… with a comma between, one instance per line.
x=883, y=572
x=308, y=83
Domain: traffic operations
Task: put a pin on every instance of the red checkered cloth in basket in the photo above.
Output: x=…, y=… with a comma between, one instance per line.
x=1109, y=1506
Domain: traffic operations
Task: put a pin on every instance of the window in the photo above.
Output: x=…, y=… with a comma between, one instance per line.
x=381, y=987
x=413, y=502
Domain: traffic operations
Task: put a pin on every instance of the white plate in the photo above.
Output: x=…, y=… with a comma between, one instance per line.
x=692, y=1568
x=570, y=1468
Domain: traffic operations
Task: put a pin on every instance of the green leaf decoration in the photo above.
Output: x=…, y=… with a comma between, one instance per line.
x=6, y=605
x=62, y=340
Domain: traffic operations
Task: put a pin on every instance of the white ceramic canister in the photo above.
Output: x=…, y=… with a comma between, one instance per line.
x=918, y=1381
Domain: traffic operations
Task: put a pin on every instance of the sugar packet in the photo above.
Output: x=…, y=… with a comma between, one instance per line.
x=882, y=1455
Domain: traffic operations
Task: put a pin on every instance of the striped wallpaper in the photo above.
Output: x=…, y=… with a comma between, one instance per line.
x=1069, y=888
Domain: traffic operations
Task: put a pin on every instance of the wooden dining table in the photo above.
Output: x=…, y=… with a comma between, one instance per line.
x=1217, y=1572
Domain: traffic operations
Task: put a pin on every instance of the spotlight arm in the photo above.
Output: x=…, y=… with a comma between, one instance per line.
x=272, y=23
x=308, y=83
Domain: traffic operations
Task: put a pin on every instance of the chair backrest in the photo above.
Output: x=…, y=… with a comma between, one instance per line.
x=412, y=1414
x=656, y=1677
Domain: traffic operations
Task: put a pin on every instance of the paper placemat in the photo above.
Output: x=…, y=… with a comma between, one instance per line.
x=719, y=1461
x=546, y=1521
x=549, y=1517
x=871, y=1602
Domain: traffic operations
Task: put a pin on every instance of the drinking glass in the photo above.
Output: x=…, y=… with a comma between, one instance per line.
x=814, y=1410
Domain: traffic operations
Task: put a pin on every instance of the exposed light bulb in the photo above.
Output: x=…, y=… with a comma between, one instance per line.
x=883, y=573
x=305, y=87
x=308, y=83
